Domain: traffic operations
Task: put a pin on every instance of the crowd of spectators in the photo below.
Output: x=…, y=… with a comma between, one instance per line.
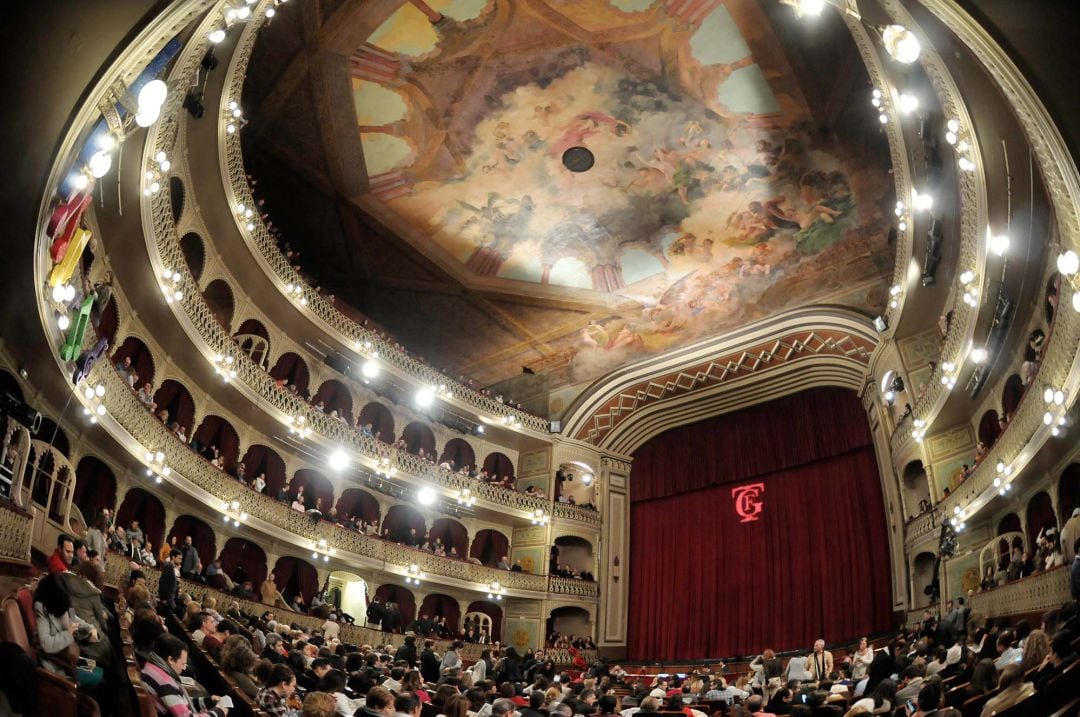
x=1049, y=553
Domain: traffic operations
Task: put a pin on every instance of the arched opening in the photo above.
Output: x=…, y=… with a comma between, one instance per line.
x=9, y=385
x=176, y=197
x=922, y=575
x=452, y=535
x=108, y=322
x=50, y=432
x=334, y=396
x=95, y=487
x=219, y=298
x=1011, y=395
x=243, y=560
x=418, y=437
x=404, y=524
x=575, y=483
x=572, y=557
x=458, y=453
x=147, y=509
x=175, y=404
x=405, y=601
x=254, y=340
x=354, y=501
x=1069, y=490
x=989, y=428
x=191, y=246
x=380, y=420
x=437, y=605
x=349, y=594
x=498, y=465
x=569, y=621
x=489, y=547
x=1008, y=524
x=916, y=488
x=1040, y=515
x=213, y=432
x=136, y=361
x=494, y=615
x=293, y=577
x=292, y=371
x=202, y=537
x=318, y=490
x=263, y=460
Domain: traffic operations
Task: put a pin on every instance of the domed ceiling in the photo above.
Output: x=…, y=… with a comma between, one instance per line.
x=602, y=181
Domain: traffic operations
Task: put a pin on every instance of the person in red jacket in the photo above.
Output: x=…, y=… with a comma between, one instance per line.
x=60, y=560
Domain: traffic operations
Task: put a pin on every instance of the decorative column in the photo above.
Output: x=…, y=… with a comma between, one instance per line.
x=613, y=497
x=890, y=487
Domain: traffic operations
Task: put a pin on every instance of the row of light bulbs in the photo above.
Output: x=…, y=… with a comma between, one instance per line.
x=94, y=408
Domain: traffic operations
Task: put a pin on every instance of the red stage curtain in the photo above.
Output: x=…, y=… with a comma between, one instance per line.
x=488, y=546
x=815, y=564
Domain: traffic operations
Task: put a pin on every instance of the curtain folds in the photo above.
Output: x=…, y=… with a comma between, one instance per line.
x=815, y=563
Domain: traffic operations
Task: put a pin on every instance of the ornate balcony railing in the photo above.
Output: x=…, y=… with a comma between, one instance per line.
x=1040, y=592
x=569, y=586
x=16, y=527
x=573, y=512
x=125, y=408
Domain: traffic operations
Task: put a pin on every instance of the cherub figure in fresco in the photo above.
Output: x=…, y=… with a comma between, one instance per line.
x=544, y=113
x=693, y=247
x=766, y=157
x=680, y=169
x=583, y=126
x=594, y=336
x=759, y=262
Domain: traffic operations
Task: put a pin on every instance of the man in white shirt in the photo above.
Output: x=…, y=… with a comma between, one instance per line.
x=1008, y=652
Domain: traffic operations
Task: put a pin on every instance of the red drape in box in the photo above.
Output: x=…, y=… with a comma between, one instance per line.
x=404, y=598
x=452, y=534
x=293, y=575
x=381, y=420
x=416, y=436
x=459, y=452
x=176, y=400
x=438, y=605
x=216, y=431
x=354, y=501
x=489, y=546
x=202, y=537
x=815, y=563
x=95, y=487
x=239, y=552
x=147, y=509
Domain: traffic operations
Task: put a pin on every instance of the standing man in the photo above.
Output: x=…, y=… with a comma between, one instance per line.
x=820, y=662
x=168, y=584
x=189, y=565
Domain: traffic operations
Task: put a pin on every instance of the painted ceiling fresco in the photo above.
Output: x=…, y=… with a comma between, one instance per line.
x=714, y=199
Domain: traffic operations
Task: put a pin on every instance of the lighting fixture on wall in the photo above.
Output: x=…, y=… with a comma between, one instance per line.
x=539, y=517
x=321, y=549
x=225, y=366
x=413, y=574
x=298, y=425
x=94, y=407
x=172, y=285
x=465, y=497
x=495, y=591
x=901, y=44
x=231, y=513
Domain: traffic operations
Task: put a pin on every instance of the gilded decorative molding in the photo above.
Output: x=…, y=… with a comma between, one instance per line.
x=737, y=364
x=972, y=200
x=1026, y=432
x=569, y=586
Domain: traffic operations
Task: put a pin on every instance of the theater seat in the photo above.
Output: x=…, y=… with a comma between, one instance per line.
x=57, y=696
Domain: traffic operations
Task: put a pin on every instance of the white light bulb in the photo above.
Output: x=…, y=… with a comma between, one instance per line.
x=1068, y=263
x=165, y=165
x=338, y=460
x=99, y=390
x=58, y=293
x=425, y=496
x=953, y=125
x=424, y=397
x=901, y=44
x=811, y=7
x=100, y=410
x=883, y=118
x=243, y=13
x=69, y=292
x=908, y=103
x=1059, y=397
x=369, y=369
x=100, y=163
x=999, y=244
x=967, y=277
x=978, y=355
x=923, y=201
x=1076, y=301
x=148, y=116
x=270, y=12
x=79, y=181
x=216, y=36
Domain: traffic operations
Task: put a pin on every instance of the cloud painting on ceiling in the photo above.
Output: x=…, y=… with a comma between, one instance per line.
x=713, y=198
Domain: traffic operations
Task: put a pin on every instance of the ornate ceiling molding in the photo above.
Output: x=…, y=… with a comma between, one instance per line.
x=832, y=346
